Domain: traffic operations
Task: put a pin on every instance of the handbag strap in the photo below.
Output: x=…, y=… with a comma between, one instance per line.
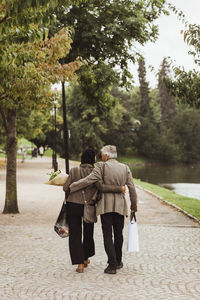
x=132, y=216
x=103, y=172
x=83, y=190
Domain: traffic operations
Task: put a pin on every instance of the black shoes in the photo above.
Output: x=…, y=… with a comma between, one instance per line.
x=119, y=266
x=113, y=270
x=110, y=270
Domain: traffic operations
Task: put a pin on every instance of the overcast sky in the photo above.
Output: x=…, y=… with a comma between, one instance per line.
x=170, y=41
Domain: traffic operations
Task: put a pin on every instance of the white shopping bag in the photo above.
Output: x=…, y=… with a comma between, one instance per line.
x=133, y=240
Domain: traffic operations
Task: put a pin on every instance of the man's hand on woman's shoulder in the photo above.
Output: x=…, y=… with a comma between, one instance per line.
x=124, y=189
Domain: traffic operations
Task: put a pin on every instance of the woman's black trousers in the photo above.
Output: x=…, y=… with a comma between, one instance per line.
x=81, y=242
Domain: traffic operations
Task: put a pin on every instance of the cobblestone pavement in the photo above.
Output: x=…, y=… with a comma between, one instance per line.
x=35, y=262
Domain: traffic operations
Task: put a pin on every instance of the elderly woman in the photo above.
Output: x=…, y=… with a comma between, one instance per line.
x=81, y=251
x=112, y=207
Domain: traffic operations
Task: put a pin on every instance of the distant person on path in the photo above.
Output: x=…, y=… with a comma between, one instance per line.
x=41, y=151
x=34, y=152
x=112, y=207
x=81, y=251
x=23, y=154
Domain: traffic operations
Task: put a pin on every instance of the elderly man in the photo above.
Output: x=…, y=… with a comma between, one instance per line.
x=112, y=207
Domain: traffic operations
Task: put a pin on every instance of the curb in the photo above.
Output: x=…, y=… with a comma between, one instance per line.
x=169, y=203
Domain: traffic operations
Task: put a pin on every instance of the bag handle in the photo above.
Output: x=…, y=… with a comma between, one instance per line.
x=132, y=216
x=103, y=173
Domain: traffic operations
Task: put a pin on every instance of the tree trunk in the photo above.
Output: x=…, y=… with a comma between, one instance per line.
x=11, y=206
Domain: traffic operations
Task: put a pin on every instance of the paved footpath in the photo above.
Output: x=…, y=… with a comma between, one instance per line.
x=35, y=262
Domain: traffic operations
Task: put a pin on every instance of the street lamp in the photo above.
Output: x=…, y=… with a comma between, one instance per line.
x=66, y=132
x=54, y=156
x=65, y=129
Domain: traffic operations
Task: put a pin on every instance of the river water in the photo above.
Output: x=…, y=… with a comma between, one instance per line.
x=183, y=179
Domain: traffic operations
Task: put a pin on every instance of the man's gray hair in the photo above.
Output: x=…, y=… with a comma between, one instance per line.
x=110, y=150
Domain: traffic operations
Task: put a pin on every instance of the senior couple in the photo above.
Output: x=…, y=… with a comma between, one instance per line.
x=110, y=177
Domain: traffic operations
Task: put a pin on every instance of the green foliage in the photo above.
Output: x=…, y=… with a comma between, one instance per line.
x=39, y=122
x=30, y=63
x=186, y=129
x=105, y=30
x=85, y=123
x=96, y=82
x=26, y=20
x=179, y=141
x=35, y=66
x=119, y=129
x=167, y=102
x=103, y=33
x=48, y=152
x=144, y=89
x=168, y=148
x=89, y=127
x=185, y=85
x=147, y=138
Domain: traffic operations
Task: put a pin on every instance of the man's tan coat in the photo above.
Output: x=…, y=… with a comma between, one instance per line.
x=89, y=193
x=115, y=173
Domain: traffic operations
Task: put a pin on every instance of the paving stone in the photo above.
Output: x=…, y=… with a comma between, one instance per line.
x=35, y=262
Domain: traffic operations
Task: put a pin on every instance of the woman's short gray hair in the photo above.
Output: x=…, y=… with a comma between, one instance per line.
x=109, y=150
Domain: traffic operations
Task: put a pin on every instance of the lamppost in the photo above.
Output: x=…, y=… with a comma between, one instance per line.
x=65, y=129
x=66, y=133
x=54, y=156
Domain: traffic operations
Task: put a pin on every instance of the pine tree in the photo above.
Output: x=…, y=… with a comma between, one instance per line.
x=144, y=89
x=167, y=102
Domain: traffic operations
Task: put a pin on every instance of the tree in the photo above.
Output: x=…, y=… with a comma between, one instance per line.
x=85, y=124
x=185, y=85
x=144, y=90
x=167, y=102
x=103, y=33
x=146, y=140
x=106, y=34
x=186, y=128
x=25, y=83
x=106, y=30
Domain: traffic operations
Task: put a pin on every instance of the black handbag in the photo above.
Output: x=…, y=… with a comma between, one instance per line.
x=89, y=213
x=61, y=226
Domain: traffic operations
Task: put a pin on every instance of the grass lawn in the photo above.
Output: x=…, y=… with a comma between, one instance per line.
x=49, y=153
x=131, y=160
x=190, y=205
x=25, y=143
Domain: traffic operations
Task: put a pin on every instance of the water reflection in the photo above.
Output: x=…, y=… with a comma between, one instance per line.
x=183, y=179
x=191, y=190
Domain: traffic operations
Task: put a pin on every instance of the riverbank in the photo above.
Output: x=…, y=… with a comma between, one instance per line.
x=152, y=175
x=190, y=205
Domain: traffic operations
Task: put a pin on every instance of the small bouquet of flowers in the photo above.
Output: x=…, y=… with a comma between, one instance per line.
x=57, y=178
